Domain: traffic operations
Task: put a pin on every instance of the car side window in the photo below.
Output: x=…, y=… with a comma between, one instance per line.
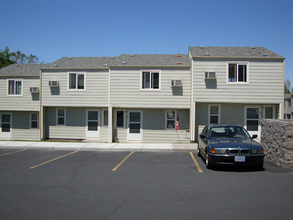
x=205, y=131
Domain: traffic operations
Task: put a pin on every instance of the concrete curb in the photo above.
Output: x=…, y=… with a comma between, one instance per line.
x=108, y=147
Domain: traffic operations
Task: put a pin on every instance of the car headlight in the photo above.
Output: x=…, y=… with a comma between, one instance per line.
x=219, y=151
x=257, y=151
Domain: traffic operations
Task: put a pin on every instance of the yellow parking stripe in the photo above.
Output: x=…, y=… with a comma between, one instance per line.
x=122, y=161
x=12, y=152
x=53, y=159
x=195, y=162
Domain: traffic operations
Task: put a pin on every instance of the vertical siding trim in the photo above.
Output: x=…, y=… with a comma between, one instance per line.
x=41, y=118
x=192, y=106
x=281, y=108
x=110, y=124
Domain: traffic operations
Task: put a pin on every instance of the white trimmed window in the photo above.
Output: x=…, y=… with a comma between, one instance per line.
x=61, y=116
x=170, y=119
x=34, y=120
x=14, y=86
x=76, y=81
x=214, y=114
x=237, y=72
x=150, y=80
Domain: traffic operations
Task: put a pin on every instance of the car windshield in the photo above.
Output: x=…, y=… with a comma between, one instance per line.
x=228, y=132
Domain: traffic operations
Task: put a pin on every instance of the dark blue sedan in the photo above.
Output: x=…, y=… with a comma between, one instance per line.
x=229, y=144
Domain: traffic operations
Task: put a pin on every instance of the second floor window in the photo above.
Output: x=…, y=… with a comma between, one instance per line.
x=76, y=81
x=237, y=72
x=150, y=80
x=15, y=87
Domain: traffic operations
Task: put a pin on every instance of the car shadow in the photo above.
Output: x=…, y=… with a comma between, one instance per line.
x=235, y=168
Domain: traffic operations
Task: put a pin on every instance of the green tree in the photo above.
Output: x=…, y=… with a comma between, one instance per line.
x=7, y=58
x=288, y=89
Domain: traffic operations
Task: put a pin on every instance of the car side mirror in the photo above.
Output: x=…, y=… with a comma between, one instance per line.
x=202, y=136
x=254, y=136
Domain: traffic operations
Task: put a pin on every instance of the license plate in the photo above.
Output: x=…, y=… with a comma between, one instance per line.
x=239, y=159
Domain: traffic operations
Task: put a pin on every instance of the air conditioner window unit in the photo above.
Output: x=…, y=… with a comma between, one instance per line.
x=53, y=83
x=34, y=89
x=176, y=83
x=210, y=75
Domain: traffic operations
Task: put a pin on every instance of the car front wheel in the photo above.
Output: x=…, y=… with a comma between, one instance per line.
x=208, y=164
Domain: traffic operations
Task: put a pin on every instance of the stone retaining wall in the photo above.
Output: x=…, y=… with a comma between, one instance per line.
x=277, y=141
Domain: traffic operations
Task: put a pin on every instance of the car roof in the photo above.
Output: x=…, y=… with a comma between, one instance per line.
x=222, y=125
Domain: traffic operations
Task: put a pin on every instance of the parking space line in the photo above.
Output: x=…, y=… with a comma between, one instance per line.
x=12, y=152
x=195, y=162
x=122, y=161
x=53, y=159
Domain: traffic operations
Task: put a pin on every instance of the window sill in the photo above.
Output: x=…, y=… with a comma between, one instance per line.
x=237, y=83
x=150, y=90
x=76, y=90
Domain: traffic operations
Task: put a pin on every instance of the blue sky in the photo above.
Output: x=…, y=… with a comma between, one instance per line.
x=51, y=29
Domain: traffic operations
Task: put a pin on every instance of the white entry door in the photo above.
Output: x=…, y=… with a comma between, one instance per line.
x=92, y=128
x=252, y=120
x=5, y=129
x=134, y=126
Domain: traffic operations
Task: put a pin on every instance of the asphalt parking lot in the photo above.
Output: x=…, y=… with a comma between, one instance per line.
x=56, y=184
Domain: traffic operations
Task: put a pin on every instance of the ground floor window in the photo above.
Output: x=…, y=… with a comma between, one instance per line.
x=269, y=112
x=214, y=114
x=61, y=112
x=171, y=118
x=34, y=120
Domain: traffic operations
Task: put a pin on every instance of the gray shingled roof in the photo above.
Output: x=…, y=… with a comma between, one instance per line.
x=153, y=60
x=81, y=62
x=122, y=60
x=233, y=52
x=22, y=70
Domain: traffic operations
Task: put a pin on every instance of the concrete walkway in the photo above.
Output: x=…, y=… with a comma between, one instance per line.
x=149, y=147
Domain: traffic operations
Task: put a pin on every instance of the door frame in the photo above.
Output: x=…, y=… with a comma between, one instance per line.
x=259, y=119
x=87, y=134
x=6, y=135
x=139, y=138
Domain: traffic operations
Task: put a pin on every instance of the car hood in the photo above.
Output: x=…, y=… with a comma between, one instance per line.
x=234, y=143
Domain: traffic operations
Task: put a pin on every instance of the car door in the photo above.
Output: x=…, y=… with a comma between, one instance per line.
x=203, y=141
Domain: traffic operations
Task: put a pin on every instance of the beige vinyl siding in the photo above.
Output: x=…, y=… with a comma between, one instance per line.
x=154, y=127
x=230, y=114
x=126, y=89
x=75, y=124
x=25, y=102
x=103, y=133
x=95, y=94
x=265, y=83
x=21, y=127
